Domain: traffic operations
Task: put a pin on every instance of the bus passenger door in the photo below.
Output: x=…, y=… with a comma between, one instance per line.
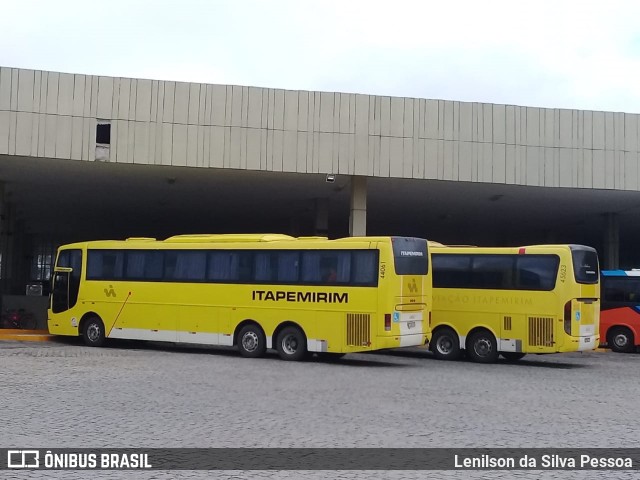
x=61, y=293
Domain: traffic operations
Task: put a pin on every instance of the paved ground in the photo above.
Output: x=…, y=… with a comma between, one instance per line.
x=57, y=395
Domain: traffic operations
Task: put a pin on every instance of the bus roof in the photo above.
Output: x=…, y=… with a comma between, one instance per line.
x=621, y=273
x=522, y=249
x=226, y=239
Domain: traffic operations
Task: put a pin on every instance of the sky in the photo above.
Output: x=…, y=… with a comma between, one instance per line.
x=558, y=54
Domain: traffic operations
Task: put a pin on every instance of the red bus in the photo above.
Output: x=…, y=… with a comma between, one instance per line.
x=620, y=310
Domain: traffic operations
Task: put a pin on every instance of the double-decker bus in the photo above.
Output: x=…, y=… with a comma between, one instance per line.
x=620, y=310
x=260, y=291
x=514, y=300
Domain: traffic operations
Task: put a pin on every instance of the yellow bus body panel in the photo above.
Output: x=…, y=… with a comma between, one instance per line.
x=524, y=321
x=339, y=319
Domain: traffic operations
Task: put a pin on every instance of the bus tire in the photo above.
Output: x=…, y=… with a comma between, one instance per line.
x=620, y=339
x=482, y=347
x=512, y=356
x=291, y=344
x=445, y=344
x=93, y=333
x=252, y=342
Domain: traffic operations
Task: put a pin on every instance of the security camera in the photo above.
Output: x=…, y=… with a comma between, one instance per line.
x=330, y=178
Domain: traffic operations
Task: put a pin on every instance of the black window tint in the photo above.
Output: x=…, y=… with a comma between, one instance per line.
x=537, y=272
x=230, y=266
x=451, y=271
x=185, y=265
x=105, y=264
x=327, y=267
x=410, y=256
x=265, y=266
x=64, y=259
x=288, y=265
x=311, y=267
x=585, y=264
x=144, y=265
x=492, y=271
x=621, y=290
x=500, y=272
x=71, y=259
x=223, y=266
x=365, y=267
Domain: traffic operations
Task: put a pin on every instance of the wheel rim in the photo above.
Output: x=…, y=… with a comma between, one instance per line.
x=444, y=345
x=93, y=332
x=250, y=341
x=620, y=340
x=483, y=347
x=290, y=344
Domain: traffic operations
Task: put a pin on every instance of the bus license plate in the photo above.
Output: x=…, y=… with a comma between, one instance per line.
x=411, y=324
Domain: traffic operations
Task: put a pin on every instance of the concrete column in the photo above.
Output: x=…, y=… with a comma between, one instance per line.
x=321, y=220
x=611, y=242
x=358, y=213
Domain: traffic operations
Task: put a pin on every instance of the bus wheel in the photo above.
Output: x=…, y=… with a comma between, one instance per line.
x=93, y=332
x=482, y=347
x=251, y=341
x=512, y=356
x=291, y=344
x=620, y=339
x=445, y=344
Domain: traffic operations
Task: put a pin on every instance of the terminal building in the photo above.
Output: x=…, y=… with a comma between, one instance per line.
x=90, y=157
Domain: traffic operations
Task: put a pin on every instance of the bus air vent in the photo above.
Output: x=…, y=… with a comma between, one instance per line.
x=541, y=331
x=507, y=323
x=358, y=329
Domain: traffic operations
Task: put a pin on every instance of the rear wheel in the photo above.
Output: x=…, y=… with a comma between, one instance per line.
x=93, y=332
x=620, y=339
x=512, y=356
x=291, y=344
x=445, y=344
x=251, y=341
x=482, y=347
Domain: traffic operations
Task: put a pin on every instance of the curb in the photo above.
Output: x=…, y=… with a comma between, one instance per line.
x=26, y=335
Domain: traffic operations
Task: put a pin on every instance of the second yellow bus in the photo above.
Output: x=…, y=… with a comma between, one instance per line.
x=513, y=301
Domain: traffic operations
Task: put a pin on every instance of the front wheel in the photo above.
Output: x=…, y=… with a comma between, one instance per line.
x=93, y=332
x=251, y=341
x=445, y=344
x=512, y=356
x=482, y=347
x=620, y=339
x=291, y=344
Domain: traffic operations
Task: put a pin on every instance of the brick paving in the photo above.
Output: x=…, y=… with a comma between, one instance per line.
x=58, y=395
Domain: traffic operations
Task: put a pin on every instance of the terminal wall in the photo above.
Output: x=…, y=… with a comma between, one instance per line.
x=50, y=114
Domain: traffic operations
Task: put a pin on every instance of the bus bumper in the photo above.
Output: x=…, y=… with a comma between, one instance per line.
x=413, y=340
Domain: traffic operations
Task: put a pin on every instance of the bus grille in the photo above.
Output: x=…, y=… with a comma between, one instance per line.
x=358, y=329
x=507, y=323
x=540, y=331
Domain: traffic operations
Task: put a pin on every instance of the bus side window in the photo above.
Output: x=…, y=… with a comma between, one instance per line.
x=633, y=292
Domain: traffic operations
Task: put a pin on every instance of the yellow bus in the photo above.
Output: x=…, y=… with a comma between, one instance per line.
x=513, y=301
x=252, y=291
